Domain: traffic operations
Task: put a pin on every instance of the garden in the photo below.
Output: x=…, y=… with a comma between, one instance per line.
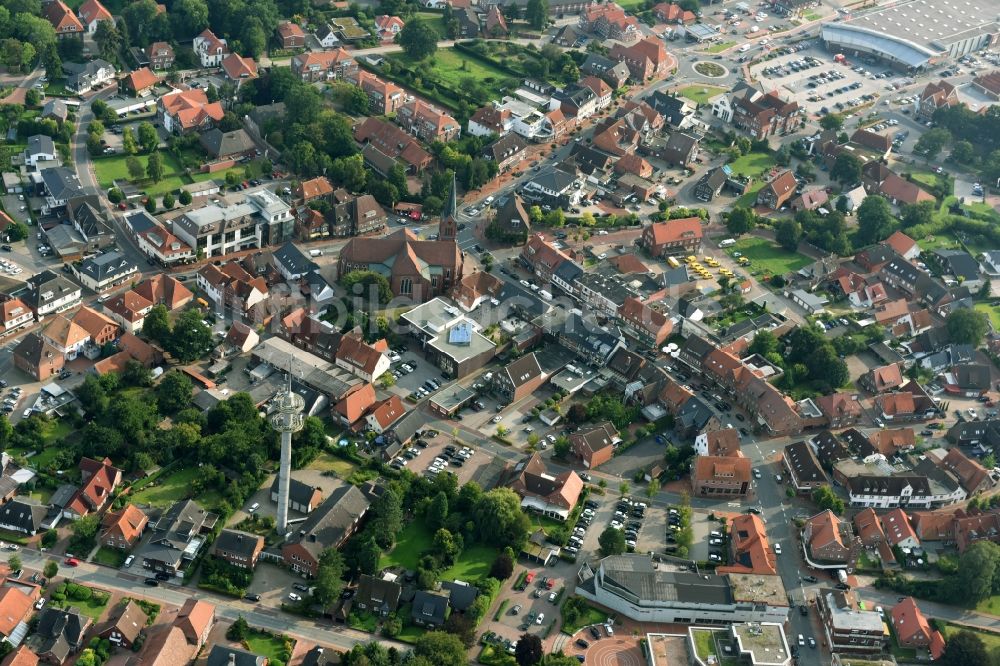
x=700, y=94
x=89, y=601
x=165, y=489
x=449, y=76
x=752, y=165
x=769, y=257
x=577, y=614
x=114, y=167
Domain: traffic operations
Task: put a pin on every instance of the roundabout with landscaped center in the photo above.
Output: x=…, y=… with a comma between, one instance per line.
x=712, y=70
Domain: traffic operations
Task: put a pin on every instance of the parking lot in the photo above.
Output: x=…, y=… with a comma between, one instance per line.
x=817, y=82
x=437, y=451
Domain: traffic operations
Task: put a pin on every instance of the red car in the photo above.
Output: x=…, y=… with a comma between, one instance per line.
x=550, y=583
x=530, y=577
x=73, y=562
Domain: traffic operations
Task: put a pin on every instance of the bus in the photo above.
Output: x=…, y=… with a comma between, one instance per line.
x=673, y=262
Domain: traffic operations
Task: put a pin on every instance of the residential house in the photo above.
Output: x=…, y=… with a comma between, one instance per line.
x=40, y=148
x=91, y=13
x=831, y=540
x=189, y=110
x=759, y=114
x=391, y=143
x=594, y=445
x=710, y=184
x=329, y=526
x=55, y=109
x=179, y=642
x=141, y=81
x=882, y=379
x=912, y=629
x=804, y=470
x=749, y=549
x=673, y=14
x=961, y=265
x=99, y=481
x=387, y=27
x=238, y=69
x=809, y=200
x=239, y=549
x=974, y=477
x=840, y=409
x=177, y=538
x=427, y=122
x=161, y=55
x=672, y=238
x=681, y=149
x=23, y=516
x=576, y=101
x=14, y=314
x=315, y=66
x=614, y=73
x=232, y=287
x=37, y=357
x=429, y=610
x=847, y=629
x=123, y=529
x=646, y=59
x=724, y=443
x=717, y=476
x=210, y=49
x=326, y=35
x=91, y=75
x=384, y=97
x=542, y=492
x=366, y=361
x=384, y=414
x=123, y=627
x=291, y=35
x=65, y=22
x=610, y=21
x=377, y=596
x=233, y=144
x=59, y=634
x=879, y=179
x=779, y=190
x=934, y=96
x=21, y=656
x=507, y=152
x=650, y=327
x=520, y=378
x=15, y=607
x=898, y=530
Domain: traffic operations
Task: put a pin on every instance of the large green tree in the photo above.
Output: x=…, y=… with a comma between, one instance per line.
x=537, y=13
x=329, y=577
x=931, y=142
x=741, y=220
x=788, y=233
x=846, y=169
x=875, y=220
x=440, y=649
x=418, y=39
x=174, y=391
x=612, y=542
x=964, y=648
x=967, y=326
x=528, y=651
x=190, y=339
x=499, y=519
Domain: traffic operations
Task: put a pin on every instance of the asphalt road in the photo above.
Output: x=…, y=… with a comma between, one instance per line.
x=318, y=631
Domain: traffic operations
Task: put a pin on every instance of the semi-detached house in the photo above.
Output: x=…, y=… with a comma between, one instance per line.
x=324, y=65
x=427, y=122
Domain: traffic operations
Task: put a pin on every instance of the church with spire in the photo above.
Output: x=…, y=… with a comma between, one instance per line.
x=416, y=269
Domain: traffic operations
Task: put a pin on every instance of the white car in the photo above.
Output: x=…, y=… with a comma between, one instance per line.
x=777, y=549
x=551, y=438
x=616, y=525
x=496, y=419
x=540, y=618
x=294, y=597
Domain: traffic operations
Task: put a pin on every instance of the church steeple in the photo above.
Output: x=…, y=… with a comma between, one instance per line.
x=448, y=229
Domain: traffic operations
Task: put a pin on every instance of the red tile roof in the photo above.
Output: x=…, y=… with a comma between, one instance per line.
x=684, y=228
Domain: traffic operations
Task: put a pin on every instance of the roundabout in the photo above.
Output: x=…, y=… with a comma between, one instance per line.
x=712, y=70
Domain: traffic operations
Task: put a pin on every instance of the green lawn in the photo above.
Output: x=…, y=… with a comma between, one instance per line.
x=992, y=311
x=6, y=152
x=811, y=16
x=175, y=486
x=458, y=72
x=752, y=164
x=704, y=643
x=325, y=462
x=362, y=622
x=494, y=656
x=415, y=539
x=927, y=178
x=992, y=640
x=412, y=541
x=266, y=645
x=591, y=616
x=435, y=20
x=749, y=200
x=91, y=607
x=720, y=47
x=472, y=564
x=770, y=257
x=57, y=88
x=110, y=557
x=109, y=169
x=700, y=94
